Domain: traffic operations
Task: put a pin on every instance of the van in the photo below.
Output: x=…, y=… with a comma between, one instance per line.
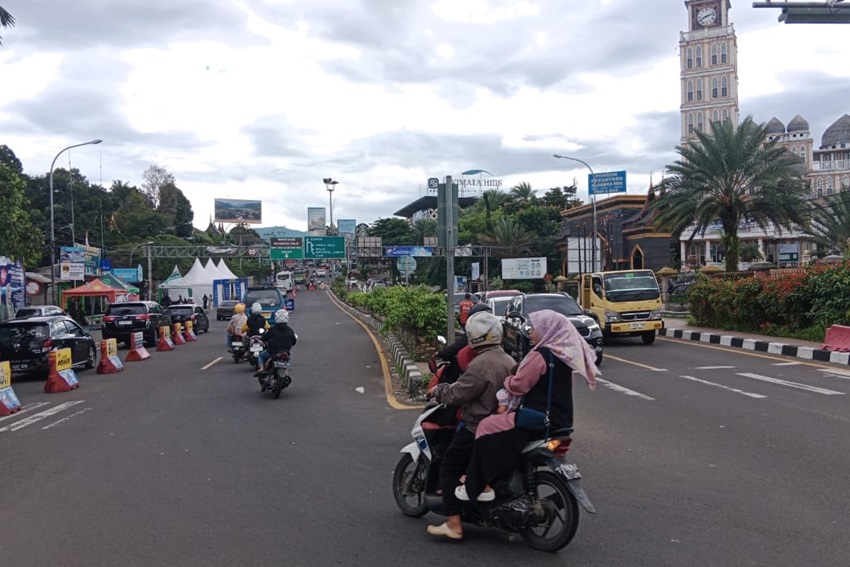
x=270, y=299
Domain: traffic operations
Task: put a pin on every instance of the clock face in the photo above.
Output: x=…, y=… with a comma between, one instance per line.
x=707, y=16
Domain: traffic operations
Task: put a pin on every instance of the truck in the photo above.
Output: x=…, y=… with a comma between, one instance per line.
x=626, y=303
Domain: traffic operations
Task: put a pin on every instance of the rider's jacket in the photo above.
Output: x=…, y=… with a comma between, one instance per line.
x=280, y=337
x=255, y=322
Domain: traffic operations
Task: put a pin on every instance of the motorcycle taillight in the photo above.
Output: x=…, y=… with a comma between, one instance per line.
x=560, y=446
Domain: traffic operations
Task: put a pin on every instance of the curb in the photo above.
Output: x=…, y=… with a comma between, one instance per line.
x=805, y=353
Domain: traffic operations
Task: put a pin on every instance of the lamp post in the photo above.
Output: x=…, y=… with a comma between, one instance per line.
x=330, y=185
x=593, y=243
x=136, y=247
x=52, y=227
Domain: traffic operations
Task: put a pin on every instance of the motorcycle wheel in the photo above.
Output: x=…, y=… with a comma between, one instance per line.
x=277, y=385
x=560, y=527
x=411, y=503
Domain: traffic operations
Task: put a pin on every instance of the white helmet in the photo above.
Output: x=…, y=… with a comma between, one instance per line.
x=256, y=309
x=483, y=330
x=281, y=316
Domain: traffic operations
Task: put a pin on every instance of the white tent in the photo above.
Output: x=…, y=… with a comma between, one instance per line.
x=196, y=283
x=225, y=271
x=213, y=271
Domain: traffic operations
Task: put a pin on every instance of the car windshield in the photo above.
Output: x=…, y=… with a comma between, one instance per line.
x=17, y=331
x=630, y=286
x=500, y=304
x=181, y=310
x=129, y=309
x=27, y=312
x=227, y=304
x=558, y=303
x=265, y=297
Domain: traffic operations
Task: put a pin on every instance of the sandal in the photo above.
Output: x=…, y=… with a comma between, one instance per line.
x=443, y=530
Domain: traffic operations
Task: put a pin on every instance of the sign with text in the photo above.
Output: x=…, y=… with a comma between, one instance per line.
x=5, y=374
x=398, y=251
x=523, y=268
x=63, y=359
x=606, y=182
x=286, y=248
x=324, y=247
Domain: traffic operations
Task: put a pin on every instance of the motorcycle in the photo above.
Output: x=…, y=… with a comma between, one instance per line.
x=253, y=347
x=237, y=347
x=539, y=499
x=278, y=379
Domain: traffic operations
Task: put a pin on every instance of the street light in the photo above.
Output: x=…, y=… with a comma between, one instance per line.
x=330, y=185
x=52, y=228
x=593, y=244
x=136, y=247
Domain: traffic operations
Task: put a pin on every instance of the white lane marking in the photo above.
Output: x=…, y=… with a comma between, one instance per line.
x=64, y=419
x=722, y=387
x=836, y=372
x=39, y=416
x=797, y=385
x=788, y=364
x=211, y=363
x=623, y=390
x=24, y=409
x=714, y=367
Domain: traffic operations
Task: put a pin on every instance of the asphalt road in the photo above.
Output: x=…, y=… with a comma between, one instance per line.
x=692, y=454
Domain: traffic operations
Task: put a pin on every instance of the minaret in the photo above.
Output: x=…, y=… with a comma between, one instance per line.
x=708, y=54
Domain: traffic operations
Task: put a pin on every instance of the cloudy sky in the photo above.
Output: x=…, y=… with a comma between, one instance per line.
x=262, y=99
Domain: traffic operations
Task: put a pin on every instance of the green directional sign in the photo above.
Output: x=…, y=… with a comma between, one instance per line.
x=324, y=247
x=286, y=254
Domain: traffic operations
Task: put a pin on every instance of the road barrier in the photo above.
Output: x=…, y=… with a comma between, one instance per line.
x=62, y=377
x=177, y=334
x=137, y=348
x=109, y=361
x=837, y=339
x=189, y=332
x=9, y=402
x=164, y=343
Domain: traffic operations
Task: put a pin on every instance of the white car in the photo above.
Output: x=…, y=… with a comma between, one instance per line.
x=320, y=273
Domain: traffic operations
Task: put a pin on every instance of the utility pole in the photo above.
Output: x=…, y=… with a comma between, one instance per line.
x=450, y=256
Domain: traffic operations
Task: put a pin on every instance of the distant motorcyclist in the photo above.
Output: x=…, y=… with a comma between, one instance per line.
x=280, y=337
x=457, y=361
x=255, y=321
x=236, y=322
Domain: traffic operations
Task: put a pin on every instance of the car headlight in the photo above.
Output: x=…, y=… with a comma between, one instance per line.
x=612, y=316
x=656, y=313
x=594, y=329
x=526, y=329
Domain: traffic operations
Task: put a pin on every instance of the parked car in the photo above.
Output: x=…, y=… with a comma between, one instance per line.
x=516, y=337
x=39, y=311
x=499, y=306
x=123, y=319
x=26, y=342
x=500, y=293
x=224, y=311
x=194, y=313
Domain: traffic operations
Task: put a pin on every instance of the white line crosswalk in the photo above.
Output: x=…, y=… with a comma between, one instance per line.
x=30, y=418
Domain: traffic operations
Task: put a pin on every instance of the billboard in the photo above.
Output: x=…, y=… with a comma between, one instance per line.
x=606, y=182
x=523, y=268
x=346, y=227
x=316, y=224
x=72, y=262
x=12, y=283
x=239, y=211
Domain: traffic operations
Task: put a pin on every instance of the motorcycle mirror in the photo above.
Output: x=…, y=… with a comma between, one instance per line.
x=441, y=339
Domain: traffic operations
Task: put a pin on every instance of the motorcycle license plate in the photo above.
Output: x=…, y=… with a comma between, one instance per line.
x=278, y=364
x=256, y=348
x=237, y=346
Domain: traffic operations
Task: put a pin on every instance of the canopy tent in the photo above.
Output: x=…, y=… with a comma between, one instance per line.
x=95, y=288
x=172, y=278
x=213, y=271
x=119, y=284
x=196, y=283
x=225, y=271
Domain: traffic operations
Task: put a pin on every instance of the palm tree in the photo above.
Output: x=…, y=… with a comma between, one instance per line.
x=730, y=176
x=508, y=239
x=829, y=227
x=423, y=228
x=7, y=20
x=523, y=192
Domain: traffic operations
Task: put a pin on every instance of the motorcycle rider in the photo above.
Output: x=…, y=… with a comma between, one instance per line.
x=255, y=321
x=476, y=391
x=456, y=353
x=236, y=321
x=280, y=337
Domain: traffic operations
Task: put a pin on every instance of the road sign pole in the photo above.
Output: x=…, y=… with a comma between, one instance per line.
x=450, y=257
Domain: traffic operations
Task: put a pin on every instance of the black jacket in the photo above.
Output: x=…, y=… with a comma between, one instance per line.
x=449, y=352
x=255, y=322
x=561, y=408
x=280, y=337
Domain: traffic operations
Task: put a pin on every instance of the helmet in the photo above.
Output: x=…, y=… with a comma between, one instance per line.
x=484, y=330
x=281, y=316
x=239, y=308
x=479, y=307
x=256, y=309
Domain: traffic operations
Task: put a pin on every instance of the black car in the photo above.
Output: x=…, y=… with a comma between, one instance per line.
x=190, y=312
x=25, y=343
x=123, y=319
x=39, y=311
x=516, y=337
x=224, y=311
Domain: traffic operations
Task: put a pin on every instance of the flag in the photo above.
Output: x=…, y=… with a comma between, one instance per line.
x=87, y=239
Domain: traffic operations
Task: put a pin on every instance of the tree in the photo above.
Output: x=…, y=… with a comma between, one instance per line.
x=508, y=239
x=174, y=205
x=423, y=228
x=829, y=225
x=523, y=192
x=731, y=176
x=6, y=21
x=8, y=157
x=562, y=198
x=155, y=178
x=392, y=231
x=21, y=239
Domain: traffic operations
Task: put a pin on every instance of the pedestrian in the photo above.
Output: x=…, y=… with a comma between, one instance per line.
x=206, y=301
x=464, y=307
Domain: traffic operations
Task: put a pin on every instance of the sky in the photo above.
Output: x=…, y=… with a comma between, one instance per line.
x=263, y=99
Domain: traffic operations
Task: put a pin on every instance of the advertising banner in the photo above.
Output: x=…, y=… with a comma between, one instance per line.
x=12, y=287
x=72, y=262
x=523, y=268
x=316, y=224
x=418, y=251
x=239, y=211
x=346, y=227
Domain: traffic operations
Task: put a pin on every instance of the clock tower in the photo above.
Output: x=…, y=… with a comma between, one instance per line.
x=708, y=54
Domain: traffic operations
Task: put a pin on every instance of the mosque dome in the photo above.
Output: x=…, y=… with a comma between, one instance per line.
x=837, y=133
x=774, y=126
x=798, y=124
